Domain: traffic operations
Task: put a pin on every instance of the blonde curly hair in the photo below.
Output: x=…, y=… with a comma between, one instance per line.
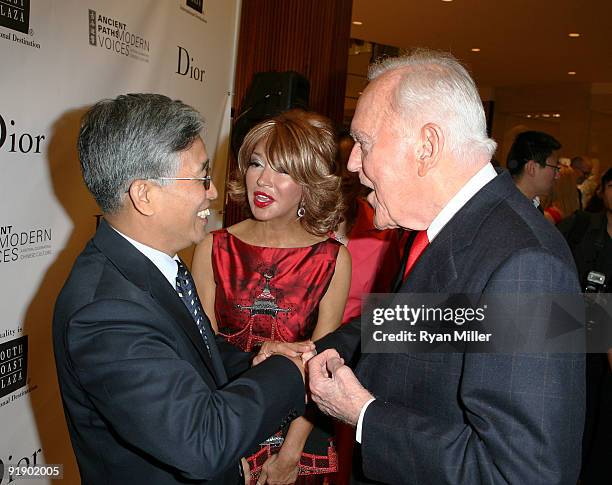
x=303, y=145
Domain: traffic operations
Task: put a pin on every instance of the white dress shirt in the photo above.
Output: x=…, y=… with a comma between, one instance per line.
x=161, y=260
x=469, y=190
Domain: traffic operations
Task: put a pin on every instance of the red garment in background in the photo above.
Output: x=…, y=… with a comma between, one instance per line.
x=376, y=259
x=554, y=213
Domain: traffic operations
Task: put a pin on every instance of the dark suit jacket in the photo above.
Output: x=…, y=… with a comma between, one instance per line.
x=586, y=235
x=143, y=400
x=477, y=418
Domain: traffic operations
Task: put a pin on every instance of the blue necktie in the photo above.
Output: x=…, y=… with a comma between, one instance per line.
x=186, y=289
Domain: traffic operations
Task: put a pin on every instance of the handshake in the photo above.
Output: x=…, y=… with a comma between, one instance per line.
x=299, y=352
x=332, y=385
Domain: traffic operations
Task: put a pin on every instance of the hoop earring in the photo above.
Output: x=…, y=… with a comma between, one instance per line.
x=300, y=212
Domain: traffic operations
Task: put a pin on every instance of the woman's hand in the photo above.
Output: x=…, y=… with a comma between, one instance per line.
x=293, y=350
x=278, y=470
x=246, y=471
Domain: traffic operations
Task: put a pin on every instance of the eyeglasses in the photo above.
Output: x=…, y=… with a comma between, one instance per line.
x=555, y=167
x=205, y=180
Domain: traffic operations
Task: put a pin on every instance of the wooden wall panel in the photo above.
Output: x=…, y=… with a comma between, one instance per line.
x=310, y=37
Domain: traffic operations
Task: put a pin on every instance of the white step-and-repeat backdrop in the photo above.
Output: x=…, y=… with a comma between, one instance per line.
x=58, y=57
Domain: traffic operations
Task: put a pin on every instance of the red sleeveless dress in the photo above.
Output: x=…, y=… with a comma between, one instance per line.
x=264, y=294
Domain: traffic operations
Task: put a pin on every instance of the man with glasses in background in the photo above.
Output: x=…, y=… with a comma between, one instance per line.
x=583, y=169
x=150, y=395
x=533, y=162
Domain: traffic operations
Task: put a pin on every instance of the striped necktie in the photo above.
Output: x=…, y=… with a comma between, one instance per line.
x=186, y=289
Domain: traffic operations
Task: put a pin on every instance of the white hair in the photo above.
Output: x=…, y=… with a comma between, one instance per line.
x=435, y=88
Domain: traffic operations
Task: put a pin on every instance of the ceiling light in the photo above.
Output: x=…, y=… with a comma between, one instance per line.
x=357, y=22
x=545, y=115
x=528, y=116
x=447, y=0
x=556, y=115
x=573, y=34
x=571, y=73
x=475, y=49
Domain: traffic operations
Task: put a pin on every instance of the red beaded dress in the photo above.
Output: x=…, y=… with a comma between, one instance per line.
x=263, y=294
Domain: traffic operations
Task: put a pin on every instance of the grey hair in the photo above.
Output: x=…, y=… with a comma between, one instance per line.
x=132, y=137
x=435, y=88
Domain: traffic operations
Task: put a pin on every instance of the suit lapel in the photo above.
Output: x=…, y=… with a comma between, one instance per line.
x=138, y=269
x=167, y=297
x=435, y=270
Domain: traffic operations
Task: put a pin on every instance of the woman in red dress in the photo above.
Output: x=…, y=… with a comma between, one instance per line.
x=277, y=276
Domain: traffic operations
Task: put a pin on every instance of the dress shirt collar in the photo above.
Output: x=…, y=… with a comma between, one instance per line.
x=161, y=260
x=469, y=190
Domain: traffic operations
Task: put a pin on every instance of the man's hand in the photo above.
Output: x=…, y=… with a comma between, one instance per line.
x=334, y=387
x=294, y=349
x=278, y=471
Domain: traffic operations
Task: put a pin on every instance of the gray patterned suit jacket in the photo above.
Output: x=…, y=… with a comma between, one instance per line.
x=477, y=418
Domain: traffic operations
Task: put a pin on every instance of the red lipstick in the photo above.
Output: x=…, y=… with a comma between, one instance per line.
x=261, y=199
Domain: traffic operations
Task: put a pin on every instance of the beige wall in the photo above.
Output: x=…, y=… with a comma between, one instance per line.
x=584, y=127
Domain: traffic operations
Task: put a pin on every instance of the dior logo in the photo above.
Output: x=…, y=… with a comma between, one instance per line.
x=186, y=66
x=16, y=461
x=18, y=142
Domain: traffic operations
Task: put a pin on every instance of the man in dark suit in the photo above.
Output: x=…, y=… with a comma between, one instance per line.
x=533, y=162
x=149, y=395
x=455, y=418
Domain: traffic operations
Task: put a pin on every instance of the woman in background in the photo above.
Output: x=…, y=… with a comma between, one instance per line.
x=376, y=255
x=564, y=199
x=277, y=276
x=376, y=259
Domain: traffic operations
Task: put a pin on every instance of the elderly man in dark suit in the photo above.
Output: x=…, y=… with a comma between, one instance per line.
x=149, y=395
x=456, y=418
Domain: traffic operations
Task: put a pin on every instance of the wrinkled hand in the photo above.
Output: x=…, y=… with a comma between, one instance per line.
x=294, y=349
x=334, y=387
x=278, y=471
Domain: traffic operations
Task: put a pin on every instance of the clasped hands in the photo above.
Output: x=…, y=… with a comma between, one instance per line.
x=333, y=385
x=296, y=351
